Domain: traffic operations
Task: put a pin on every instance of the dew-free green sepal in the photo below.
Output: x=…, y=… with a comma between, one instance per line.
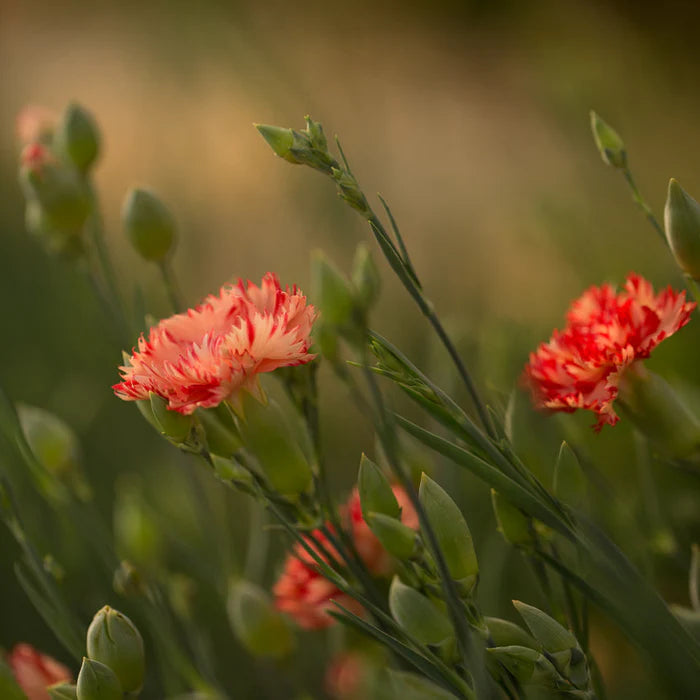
x=96, y=681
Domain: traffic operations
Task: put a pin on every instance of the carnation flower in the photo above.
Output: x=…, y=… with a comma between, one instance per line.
x=35, y=672
x=606, y=332
x=347, y=676
x=304, y=593
x=206, y=355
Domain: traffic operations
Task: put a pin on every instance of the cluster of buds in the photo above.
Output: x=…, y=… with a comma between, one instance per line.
x=55, y=165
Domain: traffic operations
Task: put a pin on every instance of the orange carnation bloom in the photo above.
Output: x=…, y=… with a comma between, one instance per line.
x=204, y=356
x=302, y=592
x=580, y=367
x=35, y=672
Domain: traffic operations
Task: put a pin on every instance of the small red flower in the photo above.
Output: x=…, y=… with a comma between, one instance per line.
x=302, y=592
x=35, y=672
x=346, y=676
x=580, y=367
x=206, y=355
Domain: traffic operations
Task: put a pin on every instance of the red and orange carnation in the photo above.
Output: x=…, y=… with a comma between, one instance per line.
x=606, y=332
x=302, y=592
x=206, y=355
x=35, y=672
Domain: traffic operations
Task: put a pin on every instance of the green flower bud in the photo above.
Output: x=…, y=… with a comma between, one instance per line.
x=658, y=412
x=365, y=277
x=512, y=523
x=527, y=665
x=570, y=483
x=256, y=622
x=376, y=494
x=609, y=143
x=64, y=198
x=411, y=686
x=173, y=425
x=308, y=147
x=332, y=290
x=51, y=440
x=418, y=615
x=113, y=639
x=127, y=580
x=451, y=531
x=78, y=137
x=682, y=224
x=553, y=637
x=63, y=691
x=280, y=140
x=96, y=681
x=504, y=633
x=398, y=539
x=266, y=432
x=149, y=224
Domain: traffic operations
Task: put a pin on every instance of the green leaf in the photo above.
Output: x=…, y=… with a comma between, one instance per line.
x=546, y=630
x=418, y=615
x=376, y=494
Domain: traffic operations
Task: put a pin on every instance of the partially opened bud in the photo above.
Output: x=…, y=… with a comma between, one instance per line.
x=682, y=224
x=96, y=681
x=610, y=145
x=266, y=432
x=376, y=494
x=149, y=224
x=451, y=531
x=78, y=137
x=63, y=691
x=418, y=615
x=257, y=624
x=398, y=539
x=113, y=639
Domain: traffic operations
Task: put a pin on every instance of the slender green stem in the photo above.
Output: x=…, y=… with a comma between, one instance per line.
x=641, y=203
x=171, y=286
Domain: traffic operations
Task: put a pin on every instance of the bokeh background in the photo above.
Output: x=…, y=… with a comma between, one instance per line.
x=471, y=118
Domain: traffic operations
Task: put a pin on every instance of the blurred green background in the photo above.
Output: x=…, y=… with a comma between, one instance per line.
x=471, y=119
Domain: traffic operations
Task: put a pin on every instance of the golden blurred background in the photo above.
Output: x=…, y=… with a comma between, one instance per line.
x=471, y=118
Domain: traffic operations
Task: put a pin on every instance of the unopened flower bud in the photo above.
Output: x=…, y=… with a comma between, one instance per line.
x=365, y=277
x=504, y=633
x=149, y=224
x=332, y=289
x=658, y=412
x=63, y=196
x=610, y=145
x=265, y=431
x=553, y=636
x=308, y=147
x=255, y=621
x=63, y=691
x=451, y=531
x=173, y=425
x=376, y=494
x=570, y=483
x=280, y=140
x=97, y=681
x=418, y=615
x=78, y=137
x=112, y=639
x=398, y=539
x=527, y=665
x=682, y=224
x=512, y=523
